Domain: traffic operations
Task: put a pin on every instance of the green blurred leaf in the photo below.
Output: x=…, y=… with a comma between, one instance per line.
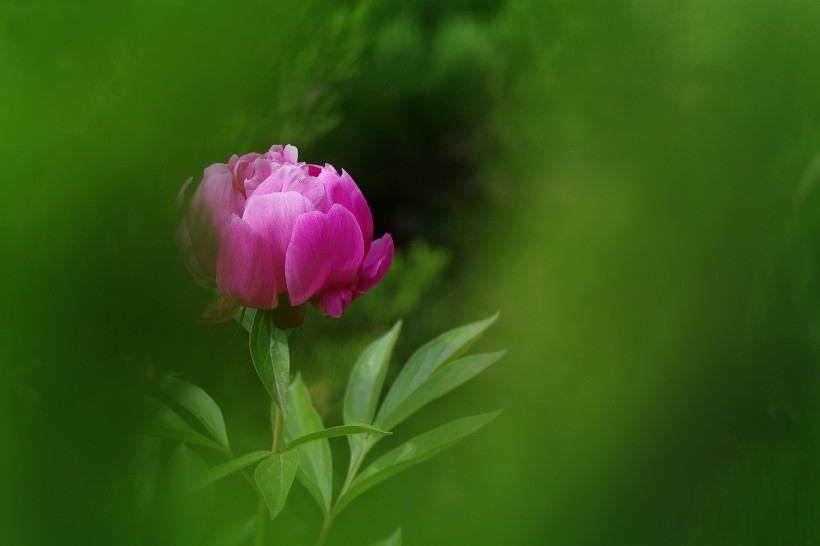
x=274, y=476
x=226, y=469
x=315, y=468
x=414, y=451
x=440, y=383
x=165, y=423
x=333, y=432
x=427, y=359
x=245, y=318
x=199, y=403
x=271, y=358
x=365, y=384
x=183, y=514
x=392, y=540
x=232, y=534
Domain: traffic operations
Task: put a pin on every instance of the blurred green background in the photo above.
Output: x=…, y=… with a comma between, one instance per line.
x=634, y=185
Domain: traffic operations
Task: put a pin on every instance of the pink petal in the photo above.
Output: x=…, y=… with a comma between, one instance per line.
x=344, y=191
x=244, y=269
x=307, y=186
x=294, y=178
x=375, y=264
x=290, y=154
x=325, y=252
x=333, y=302
x=242, y=169
x=273, y=217
x=257, y=173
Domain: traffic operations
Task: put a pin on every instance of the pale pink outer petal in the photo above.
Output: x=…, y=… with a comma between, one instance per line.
x=209, y=212
x=257, y=173
x=375, y=264
x=290, y=154
x=273, y=216
x=344, y=191
x=242, y=168
x=191, y=260
x=220, y=309
x=244, y=269
x=325, y=252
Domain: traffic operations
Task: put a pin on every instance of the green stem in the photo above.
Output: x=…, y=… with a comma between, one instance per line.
x=277, y=427
x=261, y=521
x=351, y=475
x=261, y=509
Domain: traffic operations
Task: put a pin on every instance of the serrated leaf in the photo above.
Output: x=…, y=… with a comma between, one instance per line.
x=226, y=469
x=427, y=359
x=274, y=476
x=365, y=385
x=199, y=403
x=333, y=432
x=418, y=449
x=232, y=534
x=316, y=466
x=271, y=358
x=392, y=540
x=166, y=423
x=442, y=381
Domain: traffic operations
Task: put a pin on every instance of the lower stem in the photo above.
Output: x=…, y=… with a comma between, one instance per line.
x=351, y=475
x=261, y=509
x=261, y=522
x=325, y=529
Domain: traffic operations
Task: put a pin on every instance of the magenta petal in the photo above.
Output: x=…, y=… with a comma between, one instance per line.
x=333, y=302
x=244, y=269
x=273, y=217
x=376, y=263
x=325, y=252
x=344, y=191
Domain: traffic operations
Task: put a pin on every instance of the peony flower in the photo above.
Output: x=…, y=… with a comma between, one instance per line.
x=270, y=232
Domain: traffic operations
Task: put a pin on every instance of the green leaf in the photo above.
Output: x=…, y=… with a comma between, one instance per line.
x=392, y=540
x=427, y=359
x=418, y=449
x=365, y=384
x=245, y=318
x=181, y=514
x=165, y=423
x=333, y=432
x=316, y=466
x=232, y=534
x=271, y=358
x=437, y=385
x=197, y=401
x=226, y=469
x=274, y=476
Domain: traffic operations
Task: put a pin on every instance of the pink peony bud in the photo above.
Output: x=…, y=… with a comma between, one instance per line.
x=266, y=226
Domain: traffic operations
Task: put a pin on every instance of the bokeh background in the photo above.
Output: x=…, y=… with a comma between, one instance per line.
x=634, y=185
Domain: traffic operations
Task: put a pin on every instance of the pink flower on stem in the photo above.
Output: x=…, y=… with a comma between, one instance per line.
x=270, y=232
